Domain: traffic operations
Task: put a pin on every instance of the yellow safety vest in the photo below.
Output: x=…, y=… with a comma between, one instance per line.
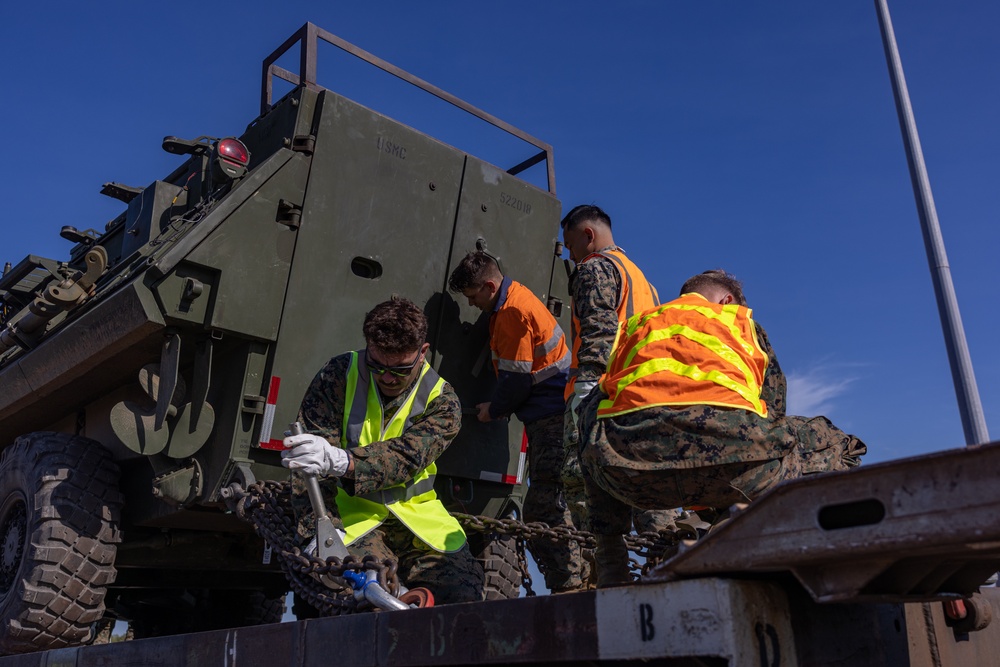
x=686, y=352
x=412, y=502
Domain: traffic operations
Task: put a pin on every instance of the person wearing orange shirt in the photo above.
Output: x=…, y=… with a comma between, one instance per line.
x=531, y=360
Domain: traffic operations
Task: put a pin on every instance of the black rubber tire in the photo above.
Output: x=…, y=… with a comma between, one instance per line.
x=60, y=511
x=498, y=556
x=198, y=611
x=302, y=610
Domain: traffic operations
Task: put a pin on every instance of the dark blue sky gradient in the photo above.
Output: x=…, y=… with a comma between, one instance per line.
x=758, y=137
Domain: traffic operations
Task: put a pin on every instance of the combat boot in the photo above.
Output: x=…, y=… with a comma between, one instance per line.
x=611, y=557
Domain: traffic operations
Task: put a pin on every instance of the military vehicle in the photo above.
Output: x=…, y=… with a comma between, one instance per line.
x=155, y=368
x=160, y=363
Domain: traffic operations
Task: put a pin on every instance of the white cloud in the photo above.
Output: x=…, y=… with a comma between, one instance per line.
x=813, y=391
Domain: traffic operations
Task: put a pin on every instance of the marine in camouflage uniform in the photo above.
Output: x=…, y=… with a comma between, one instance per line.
x=559, y=561
x=452, y=577
x=669, y=456
x=595, y=288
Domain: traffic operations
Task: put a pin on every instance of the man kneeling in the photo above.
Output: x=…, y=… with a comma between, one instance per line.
x=376, y=421
x=691, y=412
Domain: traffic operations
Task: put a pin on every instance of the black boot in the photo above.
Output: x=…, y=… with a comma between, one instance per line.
x=612, y=561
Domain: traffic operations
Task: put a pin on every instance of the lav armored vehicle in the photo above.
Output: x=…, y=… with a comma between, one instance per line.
x=159, y=361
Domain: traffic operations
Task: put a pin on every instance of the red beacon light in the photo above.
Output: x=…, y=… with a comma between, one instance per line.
x=230, y=160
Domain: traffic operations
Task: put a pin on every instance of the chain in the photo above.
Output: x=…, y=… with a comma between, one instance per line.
x=267, y=506
x=651, y=547
x=522, y=562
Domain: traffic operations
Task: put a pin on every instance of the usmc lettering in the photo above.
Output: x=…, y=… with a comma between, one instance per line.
x=392, y=148
x=515, y=203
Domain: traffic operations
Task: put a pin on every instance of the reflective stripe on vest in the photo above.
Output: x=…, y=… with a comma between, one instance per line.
x=687, y=352
x=636, y=295
x=414, y=502
x=543, y=352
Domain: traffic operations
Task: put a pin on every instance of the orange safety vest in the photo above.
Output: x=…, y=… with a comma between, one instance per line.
x=686, y=352
x=636, y=295
x=525, y=337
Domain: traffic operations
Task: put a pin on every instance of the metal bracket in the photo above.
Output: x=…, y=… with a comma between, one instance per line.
x=202, y=378
x=170, y=361
x=289, y=214
x=304, y=143
x=253, y=404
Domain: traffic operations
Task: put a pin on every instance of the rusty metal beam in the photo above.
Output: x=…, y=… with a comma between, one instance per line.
x=916, y=529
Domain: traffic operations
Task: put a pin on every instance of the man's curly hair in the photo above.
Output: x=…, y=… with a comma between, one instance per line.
x=396, y=326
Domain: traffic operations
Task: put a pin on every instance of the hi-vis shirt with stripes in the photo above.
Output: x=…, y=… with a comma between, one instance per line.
x=526, y=338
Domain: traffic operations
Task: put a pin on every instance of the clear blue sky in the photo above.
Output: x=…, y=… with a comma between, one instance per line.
x=760, y=137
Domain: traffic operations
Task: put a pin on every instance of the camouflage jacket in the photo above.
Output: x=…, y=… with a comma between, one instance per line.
x=595, y=287
x=775, y=386
x=389, y=462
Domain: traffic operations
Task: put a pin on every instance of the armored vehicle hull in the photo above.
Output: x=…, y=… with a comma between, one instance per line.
x=160, y=364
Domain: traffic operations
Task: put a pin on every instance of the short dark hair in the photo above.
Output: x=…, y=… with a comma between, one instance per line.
x=716, y=278
x=473, y=271
x=585, y=213
x=396, y=326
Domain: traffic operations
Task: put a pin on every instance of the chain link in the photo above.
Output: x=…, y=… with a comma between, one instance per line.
x=650, y=547
x=267, y=507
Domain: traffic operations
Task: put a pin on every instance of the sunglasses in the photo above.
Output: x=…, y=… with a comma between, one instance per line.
x=381, y=369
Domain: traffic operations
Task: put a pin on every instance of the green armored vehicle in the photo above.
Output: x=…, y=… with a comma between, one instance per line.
x=160, y=363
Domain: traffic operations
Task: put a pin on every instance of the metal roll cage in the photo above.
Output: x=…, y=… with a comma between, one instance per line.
x=309, y=34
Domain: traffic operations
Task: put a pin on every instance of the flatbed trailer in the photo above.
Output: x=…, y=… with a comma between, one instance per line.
x=873, y=566
x=711, y=621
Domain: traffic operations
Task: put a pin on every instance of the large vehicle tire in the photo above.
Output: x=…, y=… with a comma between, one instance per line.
x=198, y=611
x=498, y=556
x=60, y=509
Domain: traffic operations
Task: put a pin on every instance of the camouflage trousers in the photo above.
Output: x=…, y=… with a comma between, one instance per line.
x=451, y=577
x=559, y=562
x=663, y=457
x=643, y=520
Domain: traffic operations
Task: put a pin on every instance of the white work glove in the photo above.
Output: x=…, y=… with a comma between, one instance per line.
x=313, y=455
x=580, y=392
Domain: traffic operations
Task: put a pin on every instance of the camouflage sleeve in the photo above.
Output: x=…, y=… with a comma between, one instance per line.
x=390, y=462
x=774, y=389
x=322, y=409
x=595, y=302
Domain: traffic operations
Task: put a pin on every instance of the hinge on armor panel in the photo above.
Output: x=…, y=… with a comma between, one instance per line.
x=289, y=214
x=304, y=143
